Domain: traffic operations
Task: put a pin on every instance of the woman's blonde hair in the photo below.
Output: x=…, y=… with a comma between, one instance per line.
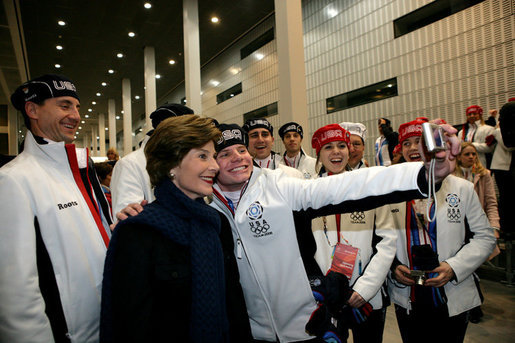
x=113, y=151
x=173, y=139
x=477, y=167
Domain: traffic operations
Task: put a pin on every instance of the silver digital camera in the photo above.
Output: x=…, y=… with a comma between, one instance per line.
x=419, y=276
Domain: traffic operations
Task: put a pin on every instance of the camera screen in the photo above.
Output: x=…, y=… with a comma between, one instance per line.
x=439, y=142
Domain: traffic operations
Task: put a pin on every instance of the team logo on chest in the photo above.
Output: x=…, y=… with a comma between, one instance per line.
x=258, y=226
x=357, y=217
x=453, y=210
x=307, y=175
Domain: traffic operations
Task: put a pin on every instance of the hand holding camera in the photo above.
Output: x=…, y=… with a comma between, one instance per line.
x=445, y=159
x=445, y=274
x=425, y=260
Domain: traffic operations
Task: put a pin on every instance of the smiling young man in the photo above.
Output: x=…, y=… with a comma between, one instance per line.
x=55, y=224
x=261, y=140
x=294, y=156
x=259, y=204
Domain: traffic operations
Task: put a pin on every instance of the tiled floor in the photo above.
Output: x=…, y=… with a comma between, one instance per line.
x=497, y=325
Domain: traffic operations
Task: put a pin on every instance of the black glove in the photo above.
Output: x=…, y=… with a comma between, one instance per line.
x=333, y=290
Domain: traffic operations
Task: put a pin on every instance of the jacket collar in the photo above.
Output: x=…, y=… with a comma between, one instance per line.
x=53, y=151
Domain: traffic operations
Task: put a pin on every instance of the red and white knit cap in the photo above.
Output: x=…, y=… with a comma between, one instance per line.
x=327, y=134
x=474, y=109
x=412, y=128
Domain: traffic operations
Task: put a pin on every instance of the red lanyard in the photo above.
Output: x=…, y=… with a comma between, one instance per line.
x=267, y=165
x=288, y=164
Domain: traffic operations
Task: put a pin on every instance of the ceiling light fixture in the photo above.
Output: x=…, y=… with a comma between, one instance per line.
x=259, y=56
x=107, y=129
x=98, y=94
x=82, y=121
x=104, y=84
x=93, y=102
x=86, y=116
x=136, y=97
x=90, y=110
x=110, y=71
x=215, y=20
x=117, y=117
x=131, y=34
x=171, y=61
x=59, y=47
x=119, y=55
x=80, y=127
x=61, y=23
x=57, y=66
x=147, y=5
x=158, y=76
x=332, y=12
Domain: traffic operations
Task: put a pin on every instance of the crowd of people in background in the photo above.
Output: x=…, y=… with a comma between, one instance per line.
x=217, y=238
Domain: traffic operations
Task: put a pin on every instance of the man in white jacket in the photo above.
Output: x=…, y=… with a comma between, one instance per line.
x=130, y=182
x=259, y=202
x=294, y=156
x=55, y=224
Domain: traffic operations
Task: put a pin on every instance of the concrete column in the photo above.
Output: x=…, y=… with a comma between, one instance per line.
x=127, y=116
x=291, y=69
x=94, y=141
x=112, y=123
x=12, y=134
x=102, y=134
x=85, y=140
x=192, y=54
x=150, y=85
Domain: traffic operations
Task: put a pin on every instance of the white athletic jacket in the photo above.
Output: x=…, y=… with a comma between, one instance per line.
x=277, y=292
x=40, y=186
x=306, y=165
x=130, y=182
x=457, y=203
x=357, y=229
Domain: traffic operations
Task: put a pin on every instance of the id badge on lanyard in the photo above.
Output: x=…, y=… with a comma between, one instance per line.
x=344, y=259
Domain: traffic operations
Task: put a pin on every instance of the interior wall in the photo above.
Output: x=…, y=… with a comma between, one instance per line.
x=464, y=59
x=441, y=69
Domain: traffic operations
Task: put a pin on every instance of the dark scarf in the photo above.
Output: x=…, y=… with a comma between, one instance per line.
x=194, y=224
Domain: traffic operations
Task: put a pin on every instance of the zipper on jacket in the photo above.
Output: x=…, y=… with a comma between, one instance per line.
x=239, y=249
